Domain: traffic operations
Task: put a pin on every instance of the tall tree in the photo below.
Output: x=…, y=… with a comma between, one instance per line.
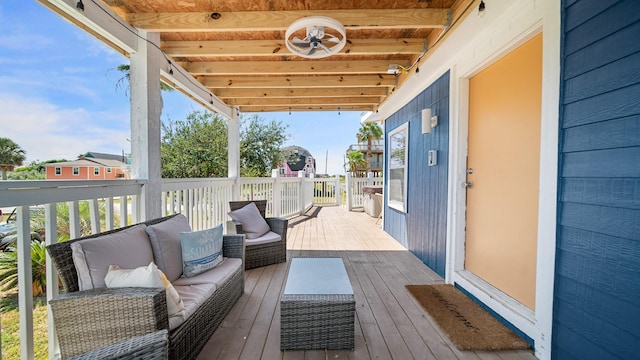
x=197, y=147
x=261, y=144
x=368, y=133
x=11, y=155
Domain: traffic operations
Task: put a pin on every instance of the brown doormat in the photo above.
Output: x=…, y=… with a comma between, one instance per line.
x=468, y=325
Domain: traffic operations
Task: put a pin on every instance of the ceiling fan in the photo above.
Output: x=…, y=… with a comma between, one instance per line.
x=324, y=37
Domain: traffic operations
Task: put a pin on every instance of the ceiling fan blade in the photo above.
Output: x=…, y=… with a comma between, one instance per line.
x=299, y=43
x=325, y=48
x=312, y=51
x=332, y=39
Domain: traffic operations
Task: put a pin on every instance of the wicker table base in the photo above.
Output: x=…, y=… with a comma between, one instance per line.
x=317, y=321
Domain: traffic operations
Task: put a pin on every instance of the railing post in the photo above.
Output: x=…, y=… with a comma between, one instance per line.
x=337, y=190
x=25, y=289
x=277, y=197
x=51, y=237
x=349, y=192
x=94, y=214
x=369, y=179
x=302, y=201
x=74, y=220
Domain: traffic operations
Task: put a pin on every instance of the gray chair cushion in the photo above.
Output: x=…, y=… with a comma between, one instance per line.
x=165, y=241
x=253, y=224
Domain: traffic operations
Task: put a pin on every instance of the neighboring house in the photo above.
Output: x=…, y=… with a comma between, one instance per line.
x=96, y=155
x=89, y=167
x=377, y=157
x=298, y=160
x=525, y=195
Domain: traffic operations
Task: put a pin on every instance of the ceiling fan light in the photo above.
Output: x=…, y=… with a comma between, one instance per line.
x=316, y=26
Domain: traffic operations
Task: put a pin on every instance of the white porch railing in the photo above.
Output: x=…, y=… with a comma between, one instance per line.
x=116, y=203
x=355, y=197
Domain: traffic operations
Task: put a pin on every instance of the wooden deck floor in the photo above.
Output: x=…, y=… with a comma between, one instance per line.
x=390, y=324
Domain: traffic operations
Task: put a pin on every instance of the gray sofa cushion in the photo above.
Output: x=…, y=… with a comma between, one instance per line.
x=128, y=249
x=218, y=275
x=165, y=241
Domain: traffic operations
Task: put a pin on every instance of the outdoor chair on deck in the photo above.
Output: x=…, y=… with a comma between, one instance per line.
x=265, y=238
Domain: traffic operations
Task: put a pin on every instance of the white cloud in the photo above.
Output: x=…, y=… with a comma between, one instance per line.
x=47, y=131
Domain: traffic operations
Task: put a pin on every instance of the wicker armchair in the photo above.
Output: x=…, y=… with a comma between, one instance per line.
x=153, y=346
x=263, y=254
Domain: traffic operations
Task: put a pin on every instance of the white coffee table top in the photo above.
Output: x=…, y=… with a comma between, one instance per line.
x=317, y=276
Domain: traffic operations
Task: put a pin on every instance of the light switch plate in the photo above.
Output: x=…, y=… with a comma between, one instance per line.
x=432, y=157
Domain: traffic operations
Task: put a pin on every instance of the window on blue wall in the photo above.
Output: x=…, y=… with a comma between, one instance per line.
x=397, y=177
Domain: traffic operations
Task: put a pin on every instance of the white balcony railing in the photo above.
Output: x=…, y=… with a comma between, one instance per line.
x=116, y=203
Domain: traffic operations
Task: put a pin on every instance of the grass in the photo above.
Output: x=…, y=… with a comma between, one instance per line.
x=11, y=327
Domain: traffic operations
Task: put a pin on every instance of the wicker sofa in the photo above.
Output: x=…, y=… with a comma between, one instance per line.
x=91, y=319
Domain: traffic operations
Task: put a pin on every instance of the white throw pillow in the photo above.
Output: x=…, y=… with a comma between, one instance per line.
x=145, y=276
x=201, y=250
x=253, y=224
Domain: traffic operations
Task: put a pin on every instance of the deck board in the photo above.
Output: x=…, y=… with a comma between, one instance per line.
x=390, y=324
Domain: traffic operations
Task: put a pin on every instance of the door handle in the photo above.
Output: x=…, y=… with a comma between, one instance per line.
x=467, y=184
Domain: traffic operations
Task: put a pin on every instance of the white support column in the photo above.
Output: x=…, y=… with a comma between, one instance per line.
x=233, y=135
x=51, y=232
x=25, y=290
x=146, y=107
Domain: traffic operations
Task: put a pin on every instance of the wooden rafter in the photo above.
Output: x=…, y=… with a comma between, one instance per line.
x=288, y=67
x=362, y=100
x=236, y=49
x=280, y=20
x=262, y=82
x=301, y=92
x=276, y=48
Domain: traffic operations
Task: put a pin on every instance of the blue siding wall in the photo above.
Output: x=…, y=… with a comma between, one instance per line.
x=597, y=288
x=423, y=228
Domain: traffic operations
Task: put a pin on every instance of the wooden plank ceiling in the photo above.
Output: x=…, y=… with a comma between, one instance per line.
x=237, y=49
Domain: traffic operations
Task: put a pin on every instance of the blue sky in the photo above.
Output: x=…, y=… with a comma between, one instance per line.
x=58, y=95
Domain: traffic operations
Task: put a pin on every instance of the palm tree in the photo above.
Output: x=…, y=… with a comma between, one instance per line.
x=11, y=155
x=126, y=70
x=369, y=132
x=355, y=159
x=9, y=268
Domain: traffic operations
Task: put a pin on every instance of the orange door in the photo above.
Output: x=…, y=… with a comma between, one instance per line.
x=503, y=161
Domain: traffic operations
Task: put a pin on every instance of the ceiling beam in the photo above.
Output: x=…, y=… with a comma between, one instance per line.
x=298, y=81
x=277, y=48
x=280, y=20
x=301, y=92
x=333, y=101
x=290, y=67
x=285, y=108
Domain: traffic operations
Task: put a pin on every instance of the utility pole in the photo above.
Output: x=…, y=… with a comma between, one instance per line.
x=326, y=161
